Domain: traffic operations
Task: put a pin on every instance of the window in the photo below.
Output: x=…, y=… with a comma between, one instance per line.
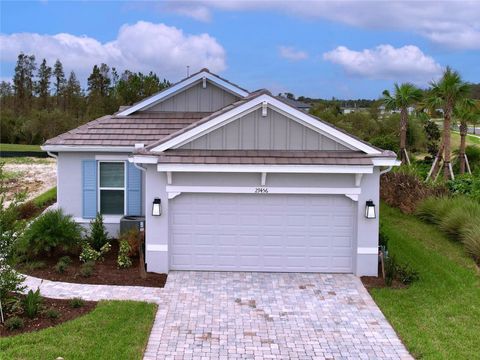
x=111, y=187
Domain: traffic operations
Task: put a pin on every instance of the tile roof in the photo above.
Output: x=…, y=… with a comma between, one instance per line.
x=264, y=157
x=111, y=130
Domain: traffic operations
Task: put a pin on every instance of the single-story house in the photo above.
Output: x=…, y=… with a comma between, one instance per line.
x=228, y=180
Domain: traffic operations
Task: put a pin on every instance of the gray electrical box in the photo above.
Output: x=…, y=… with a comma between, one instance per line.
x=132, y=222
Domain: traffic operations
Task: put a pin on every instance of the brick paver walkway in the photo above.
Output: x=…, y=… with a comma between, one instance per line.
x=62, y=290
x=213, y=315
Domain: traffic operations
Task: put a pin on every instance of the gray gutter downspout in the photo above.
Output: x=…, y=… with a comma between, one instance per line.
x=386, y=170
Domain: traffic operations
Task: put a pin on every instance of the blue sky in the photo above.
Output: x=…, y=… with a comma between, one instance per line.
x=312, y=48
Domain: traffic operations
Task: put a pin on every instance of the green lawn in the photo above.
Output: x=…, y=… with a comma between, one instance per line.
x=471, y=139
x=438, y=317
x=114, y=330
x=19, y=147
x=48, y=197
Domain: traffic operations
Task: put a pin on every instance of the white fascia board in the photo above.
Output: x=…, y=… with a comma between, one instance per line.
x=262, y=190
x=143, y=159
x=293, y=113
x=386, y=162
x=181, y=85
x=86, y=148
x=295, y=169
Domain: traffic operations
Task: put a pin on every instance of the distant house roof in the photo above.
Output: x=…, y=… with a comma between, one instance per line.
x=295, y=103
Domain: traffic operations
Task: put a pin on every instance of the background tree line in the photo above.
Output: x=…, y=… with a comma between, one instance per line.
x=42, y=101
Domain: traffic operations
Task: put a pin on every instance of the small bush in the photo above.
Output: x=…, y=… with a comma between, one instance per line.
x=123, y=260
x=66, y=259
x=86, y=270
x=406, y=275
x=383, y=237
x=390, y=270
x=89, y=254
x=433, y=209
x=98, y=236
x=76, y=303
x=14, y=323
x=34, y=265
x=61, y=267
x=465, y=185
x=458, y=217
x=31, y=303
x=133, y=237
x=50, y=232
x=52, y=313
x=471, y=239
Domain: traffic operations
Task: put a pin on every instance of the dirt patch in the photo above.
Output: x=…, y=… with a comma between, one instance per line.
x=42, y=321
x=105, y=273
x=34, y=178
x=374, y=282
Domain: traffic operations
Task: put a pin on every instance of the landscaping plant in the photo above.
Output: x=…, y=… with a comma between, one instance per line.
x=123, y=260
x=32, y=303
x=77, y=303
x=86, y=270
x=14, y=323
x=98, y=236
x=89, y=254
x=52, y=231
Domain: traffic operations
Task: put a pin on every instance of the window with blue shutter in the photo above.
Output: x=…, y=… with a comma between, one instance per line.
x=134, y=190
x=89, y=178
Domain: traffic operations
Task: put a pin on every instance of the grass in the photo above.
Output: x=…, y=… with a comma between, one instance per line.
x=26, y=160
x=20, y=147
x=46, y=198
x=470, y=140
x=113, y=330
x=437, y=317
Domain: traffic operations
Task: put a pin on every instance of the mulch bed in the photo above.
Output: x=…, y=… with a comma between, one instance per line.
x=105, y=273
x=42, y=321
x=378, y=282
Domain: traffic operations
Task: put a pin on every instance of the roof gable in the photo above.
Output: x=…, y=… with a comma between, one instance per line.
x=201, y=77
x=264, y=101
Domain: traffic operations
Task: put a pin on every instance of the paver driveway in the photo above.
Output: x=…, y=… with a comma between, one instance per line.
x=222, y=315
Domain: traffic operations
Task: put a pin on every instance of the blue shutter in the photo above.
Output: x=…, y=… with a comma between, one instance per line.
x=134, y=190
x=89, y=177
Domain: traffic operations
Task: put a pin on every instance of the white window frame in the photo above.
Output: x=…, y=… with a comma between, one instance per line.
x=99, y=188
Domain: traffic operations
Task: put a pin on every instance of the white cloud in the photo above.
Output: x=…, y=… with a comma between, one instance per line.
x=449, y=23
x=386, y=62
x=292, y=54
x=143, y=46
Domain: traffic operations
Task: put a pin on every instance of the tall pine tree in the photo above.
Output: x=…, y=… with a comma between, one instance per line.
x=43, y=84
x=59, y=83
x=23, y=83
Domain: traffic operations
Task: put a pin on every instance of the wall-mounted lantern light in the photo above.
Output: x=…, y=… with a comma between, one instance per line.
x=157, y=207
x=370, y=210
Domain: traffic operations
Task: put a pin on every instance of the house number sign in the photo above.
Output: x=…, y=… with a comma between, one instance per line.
x=261, y=190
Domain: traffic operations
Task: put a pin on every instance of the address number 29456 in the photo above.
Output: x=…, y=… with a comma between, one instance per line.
x=261, y=190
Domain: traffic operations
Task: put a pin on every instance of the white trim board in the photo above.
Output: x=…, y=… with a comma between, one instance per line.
x=367, y=251
x=182, y=85
x=277, y=105
x=297, y=169
x=157, y=247
x=174, y=191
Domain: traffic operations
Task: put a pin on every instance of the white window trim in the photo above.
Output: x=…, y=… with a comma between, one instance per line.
x=293, y=113
x=99, y=188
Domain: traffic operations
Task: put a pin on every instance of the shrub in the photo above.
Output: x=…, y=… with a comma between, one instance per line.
x=433, y=209
x=390, y=270
x=76, y=303
x=31, y=303
x=61, y=267
x=383, y=237
x=386, y=142
x=98, y=234
x=457, y=217
x=133, y=237
x=66, y=259
x=406, y=274
x=403, y=189
x=89, y=254
x=50, y=232
x=52, y=313
x=471, y=239
x=34, y=265
x=123, y=260
x=14, y=323
x=465, y=185
x=86, y=270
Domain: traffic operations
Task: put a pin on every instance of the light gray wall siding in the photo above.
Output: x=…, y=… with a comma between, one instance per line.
x=70, y=187
x=272, y=132
x=196, y=98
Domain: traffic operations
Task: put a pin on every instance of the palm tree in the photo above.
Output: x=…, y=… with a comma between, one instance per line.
x=405, y=95
x=465, y=113
x=446, y=93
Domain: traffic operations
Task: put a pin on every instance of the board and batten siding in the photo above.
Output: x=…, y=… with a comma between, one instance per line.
x=256, y=132
x=196, y=99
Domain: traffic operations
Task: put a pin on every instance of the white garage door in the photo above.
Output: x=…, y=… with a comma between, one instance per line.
x=249, y=232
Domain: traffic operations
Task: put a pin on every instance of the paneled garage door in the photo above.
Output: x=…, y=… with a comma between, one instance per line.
x=251, y=232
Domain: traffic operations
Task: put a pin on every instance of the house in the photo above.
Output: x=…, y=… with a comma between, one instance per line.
x=300, y=105
x=383, y=110
x=245, y=181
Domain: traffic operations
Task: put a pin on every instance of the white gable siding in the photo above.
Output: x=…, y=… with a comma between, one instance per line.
x=196, y=99
x=255, y=132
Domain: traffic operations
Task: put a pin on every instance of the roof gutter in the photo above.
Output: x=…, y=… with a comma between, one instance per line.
x=86, y=148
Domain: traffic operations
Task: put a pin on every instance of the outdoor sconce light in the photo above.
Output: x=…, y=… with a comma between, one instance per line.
x=157, y=207
x=370, y=210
